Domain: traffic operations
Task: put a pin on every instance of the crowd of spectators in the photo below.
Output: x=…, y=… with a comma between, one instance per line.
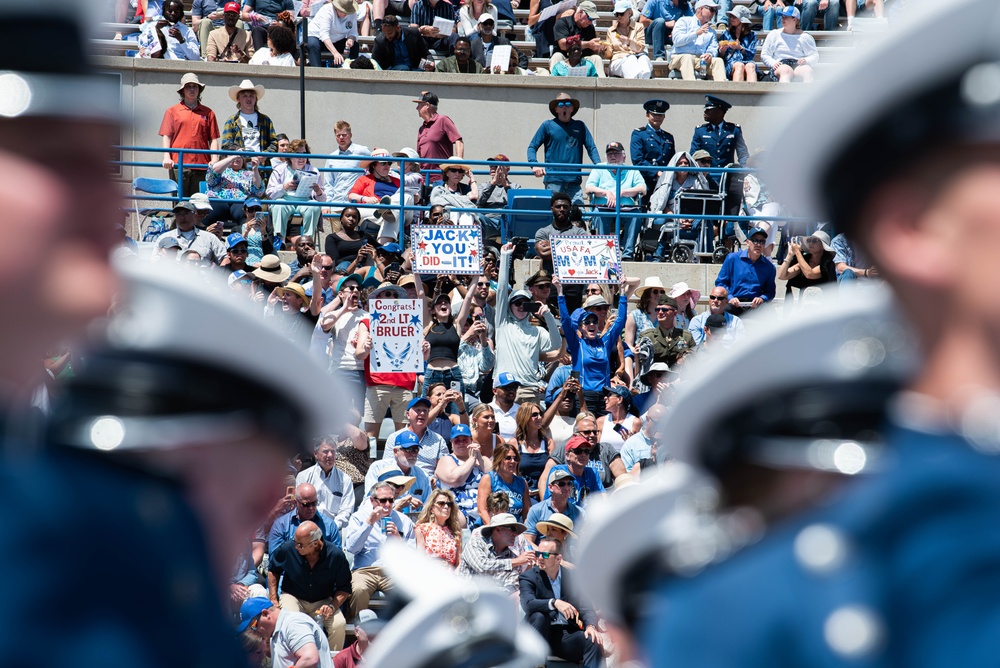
x=532, y=399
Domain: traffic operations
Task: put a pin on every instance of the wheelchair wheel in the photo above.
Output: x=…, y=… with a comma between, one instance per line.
x=719, y=255
x=681, y=254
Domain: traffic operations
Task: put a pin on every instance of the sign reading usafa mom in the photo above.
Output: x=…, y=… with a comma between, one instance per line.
x=397, y=335
x=447, y=249
x=587, y=259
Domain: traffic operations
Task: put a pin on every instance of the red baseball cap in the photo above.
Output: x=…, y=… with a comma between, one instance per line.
x=577, y=442
x=231, y=7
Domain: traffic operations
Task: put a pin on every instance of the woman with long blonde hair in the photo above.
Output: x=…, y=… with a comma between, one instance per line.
x=439, y=528
x=533, y=440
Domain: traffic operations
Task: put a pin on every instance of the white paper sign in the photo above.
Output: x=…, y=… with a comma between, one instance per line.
x=447, y=249
x=587, y=259
x=444, y=26
x=555, y=10
x=500, y=57
x=397, y=330
x=306, y=182
x=577, y=71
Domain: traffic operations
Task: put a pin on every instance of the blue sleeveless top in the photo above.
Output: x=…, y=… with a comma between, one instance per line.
x=516, y=491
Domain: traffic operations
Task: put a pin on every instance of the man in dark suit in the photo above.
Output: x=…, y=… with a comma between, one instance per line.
x=398, y=48
x=547, y=598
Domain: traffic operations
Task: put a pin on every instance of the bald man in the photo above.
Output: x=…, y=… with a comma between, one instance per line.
x=306, y=508
x=317, y=579
x=641, y=447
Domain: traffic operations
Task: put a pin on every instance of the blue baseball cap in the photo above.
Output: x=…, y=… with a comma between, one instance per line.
x=392, y=248
x=505, y=379
x=418, y=400
x=407, y=439
x=621, y=392
x=234, y=240
x=460, y=430
x=251, y=608
x=252, y=202
x=790, y=12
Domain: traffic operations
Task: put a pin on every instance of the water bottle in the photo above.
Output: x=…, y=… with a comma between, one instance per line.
x=702, y=70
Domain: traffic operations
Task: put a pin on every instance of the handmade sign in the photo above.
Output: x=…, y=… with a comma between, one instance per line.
x=587, y=259
x=397, y=335
x=447, y=249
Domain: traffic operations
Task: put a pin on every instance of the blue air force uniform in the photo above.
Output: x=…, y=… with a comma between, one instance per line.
x=724, y=142
x=651, y=147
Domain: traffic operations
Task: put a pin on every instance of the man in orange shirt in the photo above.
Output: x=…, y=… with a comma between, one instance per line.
x=189, y=124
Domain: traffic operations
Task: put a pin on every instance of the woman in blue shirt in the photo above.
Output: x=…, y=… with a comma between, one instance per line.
x=738, y=46
x=589, y=350
x=504, y=478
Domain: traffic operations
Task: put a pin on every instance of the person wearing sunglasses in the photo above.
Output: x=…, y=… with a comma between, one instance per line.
x=717, y=301
x=748, y=275
x=584, y=479
x=453, y=193
x=559, y=498
x=378, y=182
x=670, y=343
x=564, y=140
x=306, y=510
x=438, y=530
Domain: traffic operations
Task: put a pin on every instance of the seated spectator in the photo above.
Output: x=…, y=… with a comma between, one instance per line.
x=565, y=400
x=233, y=179
x=668, y=187
x=461, y=62
x=504, y=478
x=283, y=185
x=640, y=446
x=461, y=471
x=559, y=499
x=850, y=263
x=717, y=301
x=370, y=526
x=296, y=638
x=334, y=489
x=413, y=451
x=552, y=607
x=206, y=15
x=245, y=581
x=305, y=251
x=379, y=182
x=236, y=255
x=262, y=15
x=483, y=424
x=852, y=10
x=495, y=554
x=696, y=46
x=366, y=627
x=789, y=53
x=659, y=18
x=472, y=14
x=518, y=64
x=315, y=579
x=306, y=510
x=748, y=275
x=576, y=471
x=335, y=27
x=279, y=50
x=670, y=343
x=738, y=46
x=452, y=193
x=482, y=48
x=493, y=195
x=628, y=45
x=657, y=379
x=228, y=43
x=715, y=329
x=438, y=530
x=604, y=458
x=190, y=238
x=169, y=37
x=812, y=267
x=605, y=186
x=574, y=59
x=580, y=24
x=422, y=15
x=398, y=48
x=687, y=301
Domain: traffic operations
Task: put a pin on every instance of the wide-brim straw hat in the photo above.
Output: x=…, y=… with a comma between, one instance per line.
x=502, y=520
x=454, y=161
x=557, y=521
x=246, y=84
x=272, y=270
x=345, y=6
x=649, y=283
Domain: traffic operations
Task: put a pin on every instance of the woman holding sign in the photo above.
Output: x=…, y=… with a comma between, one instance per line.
x=284, y=184
x=590, y=351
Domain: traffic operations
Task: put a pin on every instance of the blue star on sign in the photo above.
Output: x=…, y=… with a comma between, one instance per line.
x=415, y=320
x=376, y=316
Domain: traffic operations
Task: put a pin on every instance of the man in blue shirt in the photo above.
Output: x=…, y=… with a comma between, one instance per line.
x=748, y=275
x=564, y=140
x=559, y=499
x=601, y=184
x=695, y=43
x=659, y=18
x=306, y=502
x=576, y=473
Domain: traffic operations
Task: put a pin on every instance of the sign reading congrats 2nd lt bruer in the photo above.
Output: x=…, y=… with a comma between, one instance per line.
x=397, y=335
x=451, y=249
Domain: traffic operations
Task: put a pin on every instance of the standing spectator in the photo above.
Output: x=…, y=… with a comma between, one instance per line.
x=437, y=137
x=551, y=606
x=346, y=350
x=422, y=18
x=564, y=140
x=442, y=335
x=520, y=344
x=717, y=301
x=643, y=316
x=790, y=53
x=628, y=45
x=476, y=358
x=696, y=45
x=670, y=343
x=168, y=37
x=566, y=403
x=189, y=124
x=261, y=14
x=461, y=61
x=438, y=530
x=808, y=266
x=283, y=184
x=493, y=556
x=617, y=424
x=580, y=24
x=228, y=43
x=336, y=25
x=279, y=50
x=493, y=195
x=504, y=404
x=462, y=471
x=398, y=47
x=296, y=639
x=659, y=17
x=606, y=186
x=651, y=146
x=483, y=423
x=248, y=129
x=306, y=510
x=337, y=182
x=334, y=489
x=723, y=140
x=233, y=179
x=504, y=477
x=748, y=275
x=315, y=579
x=738, y=47
x=851, y=264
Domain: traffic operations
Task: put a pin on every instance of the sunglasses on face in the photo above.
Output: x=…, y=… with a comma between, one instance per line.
x=351, y=288
x=536, y=415
x=588, y=432
x=665, y=309
x=758, y=242
x=563, y=483
x=656, y=292
x=716, y=298
x=385, y=500
x=443, y=504
x=546, y=555
x=410, y=450
x=308, y=504
x=564, y=103
x=593, y=291
x=510, y=458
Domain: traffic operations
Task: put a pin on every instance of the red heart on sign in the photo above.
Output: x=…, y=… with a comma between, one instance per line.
x=571, y=271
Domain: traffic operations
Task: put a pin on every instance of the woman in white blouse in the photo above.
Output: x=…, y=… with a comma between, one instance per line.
x=790, y=53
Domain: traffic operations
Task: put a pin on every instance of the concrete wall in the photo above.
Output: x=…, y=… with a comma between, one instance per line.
x=494, y=114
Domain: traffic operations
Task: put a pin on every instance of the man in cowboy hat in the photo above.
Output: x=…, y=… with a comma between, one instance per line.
x=249, y=129
x=491, y=553
x=437, y=137
x=335, y=27
x=189, y=237
x=189, y=124
x=229, y=43
x=564, y=140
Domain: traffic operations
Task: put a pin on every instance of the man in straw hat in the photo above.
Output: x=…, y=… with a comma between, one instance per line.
x=334, y=27
x=228, y=43
x=493, y=554
x=189, y=124
x=564, y=140
x=248, y=128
